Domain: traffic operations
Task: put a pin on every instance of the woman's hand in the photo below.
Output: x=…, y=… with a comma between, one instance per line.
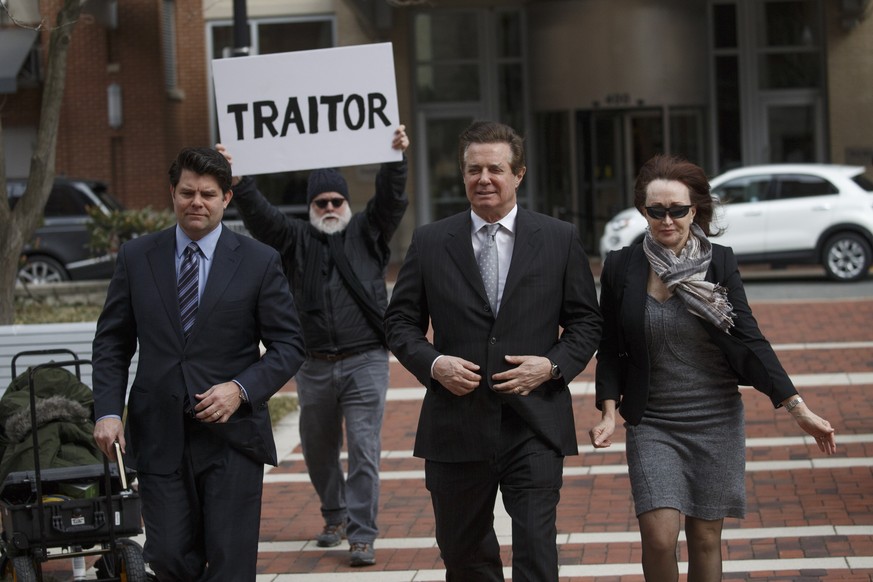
x=815, y=426
x=600, y=434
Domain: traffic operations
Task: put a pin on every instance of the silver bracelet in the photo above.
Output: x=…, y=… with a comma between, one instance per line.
x=793, y=404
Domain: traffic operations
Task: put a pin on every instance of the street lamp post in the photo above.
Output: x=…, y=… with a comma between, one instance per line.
x=241, y=38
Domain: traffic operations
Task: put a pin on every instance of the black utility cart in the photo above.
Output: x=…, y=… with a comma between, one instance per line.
x=53, y=509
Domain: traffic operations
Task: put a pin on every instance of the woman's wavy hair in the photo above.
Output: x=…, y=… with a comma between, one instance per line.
x=671, y=167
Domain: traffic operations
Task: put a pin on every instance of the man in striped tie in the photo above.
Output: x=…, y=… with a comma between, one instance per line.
x=196, y=299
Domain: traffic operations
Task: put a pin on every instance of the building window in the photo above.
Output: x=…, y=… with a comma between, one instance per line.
x=789, y=42
x=269, y=36
x=768, y=79
x=468, y=64
x=447, y=57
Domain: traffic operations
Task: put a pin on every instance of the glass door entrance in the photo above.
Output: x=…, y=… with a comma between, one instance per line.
x=789, y=133
x=439, y=173
x=612, y=147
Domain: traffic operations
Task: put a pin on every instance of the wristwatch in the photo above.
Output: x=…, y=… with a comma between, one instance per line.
x=555, y=373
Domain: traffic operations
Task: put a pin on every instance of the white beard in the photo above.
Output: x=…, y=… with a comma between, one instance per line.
x=331, y=226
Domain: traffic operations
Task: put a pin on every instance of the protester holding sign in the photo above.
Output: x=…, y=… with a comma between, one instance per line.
x=336, y=264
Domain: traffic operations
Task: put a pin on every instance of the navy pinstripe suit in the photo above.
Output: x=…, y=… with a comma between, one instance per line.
x=246, y=299
x=548, y=308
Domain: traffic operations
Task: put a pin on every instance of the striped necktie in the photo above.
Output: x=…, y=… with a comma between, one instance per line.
x=189, y=275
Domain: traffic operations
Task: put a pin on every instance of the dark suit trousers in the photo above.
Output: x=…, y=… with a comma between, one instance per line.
x=202, y=522
x=529, y=474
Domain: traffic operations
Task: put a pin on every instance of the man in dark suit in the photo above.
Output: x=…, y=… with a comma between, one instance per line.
x=198, y=428
x=514, y=315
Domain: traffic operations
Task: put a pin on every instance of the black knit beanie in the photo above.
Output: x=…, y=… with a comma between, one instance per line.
x=326, y=180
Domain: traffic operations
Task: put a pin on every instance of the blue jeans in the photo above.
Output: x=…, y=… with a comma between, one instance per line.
x=353, y=390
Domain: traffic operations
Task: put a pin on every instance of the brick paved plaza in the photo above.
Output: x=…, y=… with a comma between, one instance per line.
x=809, y=518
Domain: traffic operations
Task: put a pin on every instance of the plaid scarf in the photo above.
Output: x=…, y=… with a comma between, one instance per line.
x=684, y=275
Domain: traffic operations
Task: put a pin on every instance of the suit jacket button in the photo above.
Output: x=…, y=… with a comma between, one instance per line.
x=486, y=307
x=493, y=341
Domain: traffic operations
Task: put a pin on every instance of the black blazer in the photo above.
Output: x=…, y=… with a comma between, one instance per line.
x=246, y=299
x=549, y=286
x=625, y=378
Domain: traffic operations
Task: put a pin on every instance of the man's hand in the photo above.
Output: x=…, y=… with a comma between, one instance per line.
x=456, y=375
x=530, y=372
x=223, y=151
x=218, y=403
x=106, y=432
x=401, y=141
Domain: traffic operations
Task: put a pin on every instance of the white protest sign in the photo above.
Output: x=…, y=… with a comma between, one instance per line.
x=307, y=109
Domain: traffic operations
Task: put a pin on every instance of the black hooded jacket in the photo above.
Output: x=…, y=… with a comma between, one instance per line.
x=338, y=325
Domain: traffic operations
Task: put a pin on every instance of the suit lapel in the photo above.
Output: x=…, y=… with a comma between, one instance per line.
x=162, y=262
x=459, y=247
x=224, y=264
x=528, y=242
x=635, y=297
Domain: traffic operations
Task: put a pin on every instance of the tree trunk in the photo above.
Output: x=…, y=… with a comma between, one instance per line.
x=18, y=226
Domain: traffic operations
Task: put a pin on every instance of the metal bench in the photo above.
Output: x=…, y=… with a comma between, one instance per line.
x=73, y=336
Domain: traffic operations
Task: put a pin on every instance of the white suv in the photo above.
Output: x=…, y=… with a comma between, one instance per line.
x=783, y=214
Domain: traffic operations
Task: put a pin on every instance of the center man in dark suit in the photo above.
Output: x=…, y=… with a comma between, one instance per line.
x=511, y=300
x=197, y=298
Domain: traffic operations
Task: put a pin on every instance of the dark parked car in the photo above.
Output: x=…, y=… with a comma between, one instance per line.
x=59, y=250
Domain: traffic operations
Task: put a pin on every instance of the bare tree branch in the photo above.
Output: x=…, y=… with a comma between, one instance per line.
x=18, y=226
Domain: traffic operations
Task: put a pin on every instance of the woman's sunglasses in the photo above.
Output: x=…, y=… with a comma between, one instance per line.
x=323, y=202
x=659, y=212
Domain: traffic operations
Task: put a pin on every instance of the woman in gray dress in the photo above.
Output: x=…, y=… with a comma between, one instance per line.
x=678, y=338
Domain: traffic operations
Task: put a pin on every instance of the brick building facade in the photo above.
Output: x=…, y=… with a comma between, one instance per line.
x=163, y=95
x=157, y=53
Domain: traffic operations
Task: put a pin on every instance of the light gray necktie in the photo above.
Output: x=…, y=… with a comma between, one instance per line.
x=488, y=264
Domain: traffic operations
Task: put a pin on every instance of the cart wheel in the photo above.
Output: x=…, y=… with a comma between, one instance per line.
x=127, y=565
x=19, y=569
x=132, y=565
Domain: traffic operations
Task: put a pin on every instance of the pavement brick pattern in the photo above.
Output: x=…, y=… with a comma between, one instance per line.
x=809, y=518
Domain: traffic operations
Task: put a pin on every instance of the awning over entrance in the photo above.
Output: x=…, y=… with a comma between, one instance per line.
x=15, y=43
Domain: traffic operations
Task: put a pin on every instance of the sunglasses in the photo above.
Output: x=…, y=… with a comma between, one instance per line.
x=659, y=212
x=323, y=202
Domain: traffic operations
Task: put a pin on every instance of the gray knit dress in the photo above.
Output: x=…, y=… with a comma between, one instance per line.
x=688, y=451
